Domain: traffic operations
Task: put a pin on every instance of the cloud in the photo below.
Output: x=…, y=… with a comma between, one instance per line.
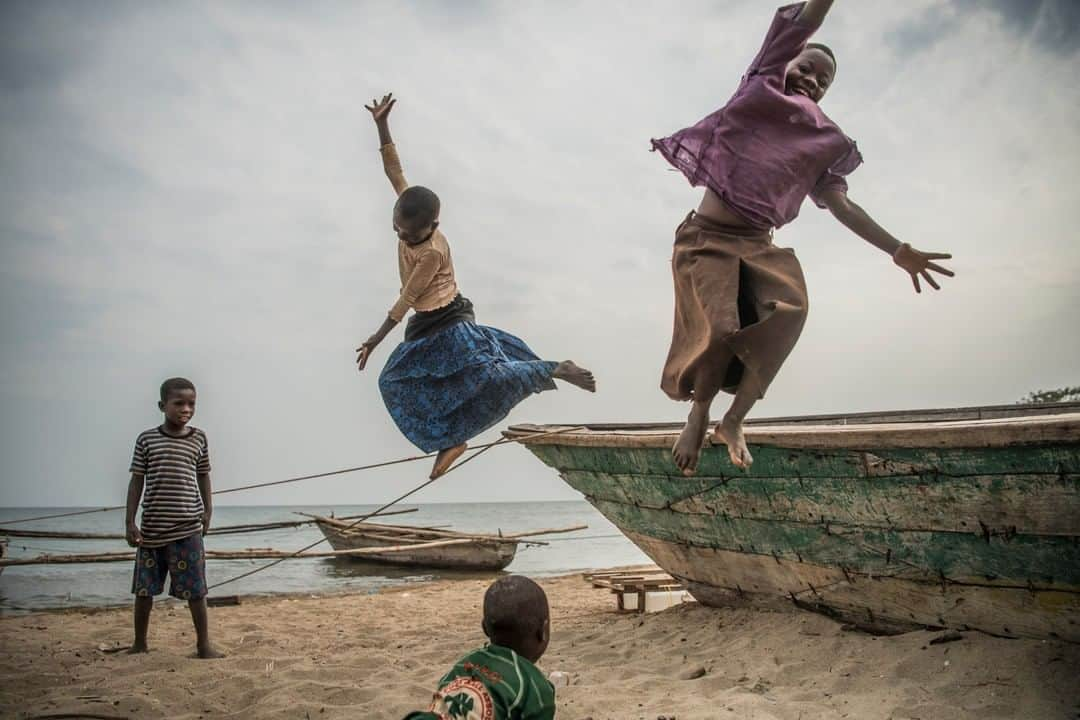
x=1051, y=24
x=194, y=190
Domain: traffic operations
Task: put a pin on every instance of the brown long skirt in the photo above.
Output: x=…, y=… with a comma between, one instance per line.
x=740, y=305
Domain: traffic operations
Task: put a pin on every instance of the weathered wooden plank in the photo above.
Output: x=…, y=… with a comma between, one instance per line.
x=384, y=530
x=998, y=432
x=995, y=505
x=628, y=570
x=1023, y=560
x=648, y=490
x=787, y=463
x=923, y=415
x=710, y=574
x=920, y=415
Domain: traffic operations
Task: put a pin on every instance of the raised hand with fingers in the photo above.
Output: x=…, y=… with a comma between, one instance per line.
x=917, y=263
x=380, y=109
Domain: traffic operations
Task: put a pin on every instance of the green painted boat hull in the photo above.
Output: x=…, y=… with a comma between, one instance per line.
x=895, y=522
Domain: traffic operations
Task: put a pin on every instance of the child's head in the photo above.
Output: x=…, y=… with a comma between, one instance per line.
x=516, y=616
x=177, y=400
x=416, y=215
x=812, y=72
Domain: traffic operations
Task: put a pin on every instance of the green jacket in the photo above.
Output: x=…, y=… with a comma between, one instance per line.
x=492, y=683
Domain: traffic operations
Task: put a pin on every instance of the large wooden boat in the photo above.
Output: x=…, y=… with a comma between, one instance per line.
x=421, y=547
x=965, y=518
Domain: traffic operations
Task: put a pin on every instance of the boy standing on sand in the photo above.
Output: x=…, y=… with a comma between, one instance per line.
x=500, y=681
x=172, y=463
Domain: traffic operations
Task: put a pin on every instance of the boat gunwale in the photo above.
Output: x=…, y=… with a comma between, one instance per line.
x=981, y=427
x=390, y=540
x=375, y=529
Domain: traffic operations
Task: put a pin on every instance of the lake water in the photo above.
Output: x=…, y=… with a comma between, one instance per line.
x=36, y=587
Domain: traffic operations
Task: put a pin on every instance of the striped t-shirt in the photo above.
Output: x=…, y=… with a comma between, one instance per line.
x=172, y=507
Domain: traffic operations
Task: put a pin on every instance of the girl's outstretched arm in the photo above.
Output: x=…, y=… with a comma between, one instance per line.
x=380, y=113
x=914, y=262
x=814, y=12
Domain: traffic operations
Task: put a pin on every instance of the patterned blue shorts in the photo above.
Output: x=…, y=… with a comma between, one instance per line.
x=184, y=562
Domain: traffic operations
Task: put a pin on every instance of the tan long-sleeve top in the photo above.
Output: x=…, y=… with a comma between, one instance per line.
x=426, y=269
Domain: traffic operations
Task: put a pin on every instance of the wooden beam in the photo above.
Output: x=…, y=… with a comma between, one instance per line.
x=997, y=432
x=719, y=577
x=979, y=412
x=547, y=531
x=249, y=554
x=1039, y=562
x=381, y=527
x=998, y=504
x=219, y=530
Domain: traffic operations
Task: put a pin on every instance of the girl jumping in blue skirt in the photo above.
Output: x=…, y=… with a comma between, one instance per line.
x=451, y=379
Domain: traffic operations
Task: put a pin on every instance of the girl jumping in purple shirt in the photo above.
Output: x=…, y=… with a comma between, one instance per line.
x=740, y=301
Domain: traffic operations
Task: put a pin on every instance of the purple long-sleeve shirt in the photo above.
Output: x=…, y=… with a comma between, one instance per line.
x=765, y=151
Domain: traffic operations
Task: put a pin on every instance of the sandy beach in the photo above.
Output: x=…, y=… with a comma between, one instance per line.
x=377, y=656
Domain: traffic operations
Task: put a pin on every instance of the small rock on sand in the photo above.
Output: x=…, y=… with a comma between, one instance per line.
x=693, y=673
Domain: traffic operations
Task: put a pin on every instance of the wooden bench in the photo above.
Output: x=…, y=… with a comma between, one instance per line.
x=639, y=582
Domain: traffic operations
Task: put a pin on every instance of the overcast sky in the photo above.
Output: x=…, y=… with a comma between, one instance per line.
x=195, y=189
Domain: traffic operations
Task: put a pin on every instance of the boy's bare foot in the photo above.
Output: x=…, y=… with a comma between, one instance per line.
x=209, y=653
x=687, y=448
x=730, y=432
x=571, y=373
x=445, y=459
x=136, y=649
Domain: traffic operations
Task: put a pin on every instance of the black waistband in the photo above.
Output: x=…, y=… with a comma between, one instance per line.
x=423, y=324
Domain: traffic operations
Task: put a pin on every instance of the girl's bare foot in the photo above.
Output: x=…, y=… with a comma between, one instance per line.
x=730, y=432
x=209, y=653
x=136, y=649
x=445, y=459
x=571, y=373
x=687, y=448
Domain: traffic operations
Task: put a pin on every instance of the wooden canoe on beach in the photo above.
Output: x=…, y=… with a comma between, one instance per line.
x=965, y=518
x=436, y=547
x=408, y=545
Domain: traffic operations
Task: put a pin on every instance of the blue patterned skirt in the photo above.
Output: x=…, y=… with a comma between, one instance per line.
x=448, y=387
